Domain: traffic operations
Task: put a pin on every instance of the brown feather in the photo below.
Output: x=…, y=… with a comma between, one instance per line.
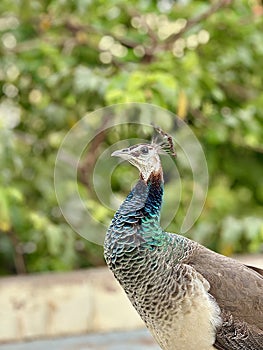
x=236, y=288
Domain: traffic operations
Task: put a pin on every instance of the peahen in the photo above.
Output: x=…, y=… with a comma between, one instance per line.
x=189, y=297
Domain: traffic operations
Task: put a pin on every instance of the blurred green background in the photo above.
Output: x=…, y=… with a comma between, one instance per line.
x=60, y=59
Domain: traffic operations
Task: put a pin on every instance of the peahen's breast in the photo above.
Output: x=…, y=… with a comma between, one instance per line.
x=168, y=296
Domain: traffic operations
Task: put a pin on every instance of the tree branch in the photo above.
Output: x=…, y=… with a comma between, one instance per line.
x=19, y=260
x=193, y=21
x=87, y=165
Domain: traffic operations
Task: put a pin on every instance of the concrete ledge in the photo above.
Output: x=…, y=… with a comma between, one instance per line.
x=49, y=305
x=128, y=340
x=59, y=304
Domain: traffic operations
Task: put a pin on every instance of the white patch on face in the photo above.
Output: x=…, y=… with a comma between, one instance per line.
x=149, y=164
x=156, y=163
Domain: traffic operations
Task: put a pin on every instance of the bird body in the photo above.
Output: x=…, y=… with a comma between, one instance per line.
x=188, y=296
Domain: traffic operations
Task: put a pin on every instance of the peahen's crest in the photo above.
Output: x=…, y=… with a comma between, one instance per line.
x=163, y=141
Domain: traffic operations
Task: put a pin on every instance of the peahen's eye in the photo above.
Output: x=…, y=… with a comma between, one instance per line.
x=144, y=150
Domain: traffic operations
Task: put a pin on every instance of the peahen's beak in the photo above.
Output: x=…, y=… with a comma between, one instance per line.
x=122, y=153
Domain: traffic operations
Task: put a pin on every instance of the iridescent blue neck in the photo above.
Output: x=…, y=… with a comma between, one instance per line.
x=154, y=198
x=143, y=204
x=136, y=225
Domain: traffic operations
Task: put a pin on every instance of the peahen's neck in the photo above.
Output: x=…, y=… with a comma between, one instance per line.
x=135, y=227
x=153, y=200
x=145, y=199
x=139, y=214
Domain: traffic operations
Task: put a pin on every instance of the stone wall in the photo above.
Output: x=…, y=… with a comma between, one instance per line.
x=57, y=304
x=48, y=305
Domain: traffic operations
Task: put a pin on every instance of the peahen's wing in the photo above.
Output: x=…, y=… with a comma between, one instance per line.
x=238, y=290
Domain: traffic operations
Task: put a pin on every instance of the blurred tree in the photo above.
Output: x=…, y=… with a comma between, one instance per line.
x=199, y=59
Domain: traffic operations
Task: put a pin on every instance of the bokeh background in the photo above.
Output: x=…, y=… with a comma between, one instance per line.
x=59, y=60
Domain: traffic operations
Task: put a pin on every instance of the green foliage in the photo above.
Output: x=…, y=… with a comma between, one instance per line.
x=61, y=59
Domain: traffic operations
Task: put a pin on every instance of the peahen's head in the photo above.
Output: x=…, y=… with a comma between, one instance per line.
x=144, y=156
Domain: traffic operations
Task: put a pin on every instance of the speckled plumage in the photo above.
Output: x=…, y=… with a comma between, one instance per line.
x=168, y=280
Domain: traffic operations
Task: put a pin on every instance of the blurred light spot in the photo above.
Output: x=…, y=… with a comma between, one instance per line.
x=113, y=12
x=162, y=19
x=12, y=72
x=35, y=96
x=192, y=42
x=139, y=51
x=118, y=50
x=168, y=28
x=43, y=72
x=7, y=23
x=178, y=48
x=136, y=22
x=164, y=32
x=10, y=90
x=55, y=139
x=29, y=247
x=106, y=42
x=9, y=115
x=152, y=20
x=106, y=57
x=9, y=41
x=25, y=81
x=181, y=23
x=179, y=44
x=165, y=5
x=178, y=53
x=203, y=36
